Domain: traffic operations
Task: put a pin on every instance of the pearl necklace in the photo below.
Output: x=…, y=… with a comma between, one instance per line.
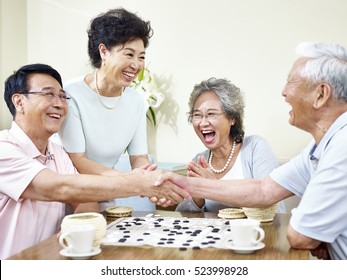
x=226, y=164
x=99, y=95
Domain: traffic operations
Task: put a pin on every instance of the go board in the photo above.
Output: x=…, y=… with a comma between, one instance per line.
x=179, y=232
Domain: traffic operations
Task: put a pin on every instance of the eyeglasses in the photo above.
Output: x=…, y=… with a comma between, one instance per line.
x=50, y=95
x=197, y=117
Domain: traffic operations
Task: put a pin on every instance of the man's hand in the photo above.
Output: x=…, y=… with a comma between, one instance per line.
x=321, y=252
x=164, y=193
x=146, y=167
x=162, y=201
x=172, y=178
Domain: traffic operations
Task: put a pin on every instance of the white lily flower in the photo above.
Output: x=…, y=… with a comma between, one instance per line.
x=147, y=87
x=156, y=99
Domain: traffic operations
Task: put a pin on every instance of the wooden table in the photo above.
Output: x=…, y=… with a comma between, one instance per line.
x=277, y=246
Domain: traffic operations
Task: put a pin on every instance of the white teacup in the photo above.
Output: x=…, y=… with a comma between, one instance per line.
x=246, y=232
x=78, y=239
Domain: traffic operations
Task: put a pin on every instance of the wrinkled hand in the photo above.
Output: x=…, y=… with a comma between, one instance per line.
x=321, y=252
x=148, y=167
x=165, y=193
x=178, y=183
x=163, y=202
x=200, y=169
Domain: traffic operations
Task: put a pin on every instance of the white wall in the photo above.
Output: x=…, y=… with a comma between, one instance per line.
x=250, y=42
x=13, y=50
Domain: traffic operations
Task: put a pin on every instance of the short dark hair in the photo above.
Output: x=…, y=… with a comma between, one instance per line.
x=18, y=81
x=115, y=27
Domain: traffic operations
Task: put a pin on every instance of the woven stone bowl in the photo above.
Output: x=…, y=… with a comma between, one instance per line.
x=95, y=219
x=263, y=215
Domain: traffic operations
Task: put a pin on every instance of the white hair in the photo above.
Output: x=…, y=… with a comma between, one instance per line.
x=326, y=63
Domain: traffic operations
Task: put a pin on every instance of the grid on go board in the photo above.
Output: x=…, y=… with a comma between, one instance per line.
x=180, y=232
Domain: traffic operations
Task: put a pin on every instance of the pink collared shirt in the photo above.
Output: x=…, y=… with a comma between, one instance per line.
x=24, y=222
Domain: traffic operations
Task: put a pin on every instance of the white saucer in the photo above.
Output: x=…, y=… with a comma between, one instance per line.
x=84, y=256
x=247, y=250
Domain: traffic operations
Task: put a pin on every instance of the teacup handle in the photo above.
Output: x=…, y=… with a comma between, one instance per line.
x=65, y=241
x=261, y=235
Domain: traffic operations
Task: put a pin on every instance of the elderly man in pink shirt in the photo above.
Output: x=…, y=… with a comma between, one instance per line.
x=37, y=178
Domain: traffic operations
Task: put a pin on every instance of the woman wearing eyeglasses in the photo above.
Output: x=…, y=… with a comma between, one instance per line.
x=106, y=117
x=216, y=113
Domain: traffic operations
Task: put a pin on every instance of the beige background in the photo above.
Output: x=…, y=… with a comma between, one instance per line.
x=250, y=42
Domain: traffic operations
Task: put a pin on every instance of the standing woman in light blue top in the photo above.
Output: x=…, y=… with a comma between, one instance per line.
x=216, y=113
x=106, y=117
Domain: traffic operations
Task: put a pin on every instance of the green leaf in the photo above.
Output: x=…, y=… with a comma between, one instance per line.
x=151, y=116
x=141, y=74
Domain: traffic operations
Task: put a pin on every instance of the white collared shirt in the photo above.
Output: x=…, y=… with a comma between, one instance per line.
x=319, y=177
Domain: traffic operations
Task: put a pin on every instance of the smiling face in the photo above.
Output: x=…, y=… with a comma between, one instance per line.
x=123, y=63
x=215, y=132
x=300, y=96
x=38, y=115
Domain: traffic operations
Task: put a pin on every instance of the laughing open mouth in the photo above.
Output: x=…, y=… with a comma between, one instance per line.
x=54, y=116
x=208, y=135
